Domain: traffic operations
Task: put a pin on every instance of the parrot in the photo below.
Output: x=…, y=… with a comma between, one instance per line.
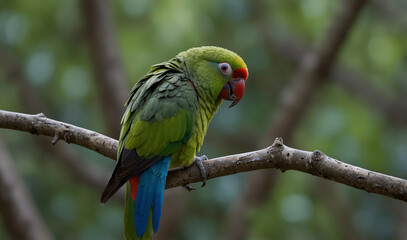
x=166, y=118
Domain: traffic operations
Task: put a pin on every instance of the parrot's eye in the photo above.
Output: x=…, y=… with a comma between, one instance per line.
x=225, y=69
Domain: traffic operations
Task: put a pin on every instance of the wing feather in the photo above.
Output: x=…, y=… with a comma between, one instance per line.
x=154, y=125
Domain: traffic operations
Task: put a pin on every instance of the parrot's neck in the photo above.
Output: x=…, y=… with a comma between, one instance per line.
x=207, y=107
x=184, y=156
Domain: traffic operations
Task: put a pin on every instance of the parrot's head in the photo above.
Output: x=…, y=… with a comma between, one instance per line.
x=217, y=71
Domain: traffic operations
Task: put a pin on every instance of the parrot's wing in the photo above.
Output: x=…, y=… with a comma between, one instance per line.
x=159, y=118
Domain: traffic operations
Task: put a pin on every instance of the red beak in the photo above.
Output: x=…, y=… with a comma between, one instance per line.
x=233, y=91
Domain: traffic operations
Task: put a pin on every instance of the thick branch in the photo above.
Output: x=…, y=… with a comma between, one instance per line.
x=276, y=156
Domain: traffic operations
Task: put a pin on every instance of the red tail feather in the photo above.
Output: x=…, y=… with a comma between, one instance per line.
x=133, y=186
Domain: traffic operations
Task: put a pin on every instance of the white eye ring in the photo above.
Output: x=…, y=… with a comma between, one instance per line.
x=225, y=68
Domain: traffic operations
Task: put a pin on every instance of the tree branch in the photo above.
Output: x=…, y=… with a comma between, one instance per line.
x=276, y=156
x=40, y=125
x=285, y=158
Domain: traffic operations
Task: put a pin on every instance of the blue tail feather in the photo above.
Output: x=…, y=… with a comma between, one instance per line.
x=150, y=193
x=158, y=201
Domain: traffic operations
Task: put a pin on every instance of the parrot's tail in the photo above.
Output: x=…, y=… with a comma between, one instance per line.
x=144, y=200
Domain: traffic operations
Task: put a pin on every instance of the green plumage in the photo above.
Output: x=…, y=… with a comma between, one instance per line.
x=160, y=112
x=169, y=110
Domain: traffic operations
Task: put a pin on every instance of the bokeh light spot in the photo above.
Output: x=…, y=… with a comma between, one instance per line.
x=40, y=67
x=13, y=28
x=296, y=208
x=75, y=82
x=313, y=8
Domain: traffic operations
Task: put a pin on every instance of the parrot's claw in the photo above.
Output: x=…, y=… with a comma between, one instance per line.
x=188, y=187
x=198, y=161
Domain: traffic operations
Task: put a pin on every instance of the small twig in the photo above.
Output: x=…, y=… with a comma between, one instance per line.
x=276, y=156
x=55, y=139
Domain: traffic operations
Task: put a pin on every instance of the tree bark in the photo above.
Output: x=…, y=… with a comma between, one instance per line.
x=276, y=156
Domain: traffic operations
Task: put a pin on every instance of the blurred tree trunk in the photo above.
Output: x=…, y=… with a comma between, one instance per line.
x=109, y=74
x=393, y=109
x=19, y=213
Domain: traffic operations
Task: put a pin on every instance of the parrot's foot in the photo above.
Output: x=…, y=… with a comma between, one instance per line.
x=198, y=161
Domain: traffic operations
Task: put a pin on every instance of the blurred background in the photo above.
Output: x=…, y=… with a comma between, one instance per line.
x=327, y=75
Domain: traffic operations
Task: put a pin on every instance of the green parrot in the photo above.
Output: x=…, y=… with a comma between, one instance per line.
x=167, y=115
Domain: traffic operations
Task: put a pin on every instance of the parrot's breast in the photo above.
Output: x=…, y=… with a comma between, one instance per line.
x=185, y=155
